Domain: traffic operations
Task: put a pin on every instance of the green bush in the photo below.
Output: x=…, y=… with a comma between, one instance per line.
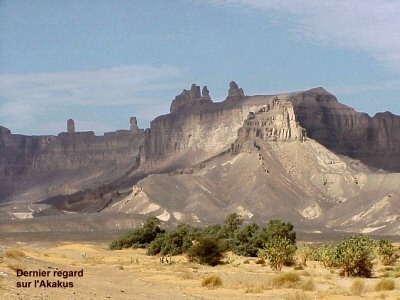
x=280, y=229
x=156, y=245
x=247, y=241
x=327, y=254
x=206, y=250
x=304, y=253
x=278, y=251
x=140, y=237
x=386, y=252
x=231, y=224
x=174, y=242
x=211, y=230
x=354, y=256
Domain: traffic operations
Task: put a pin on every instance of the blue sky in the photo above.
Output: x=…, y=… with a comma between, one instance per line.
x=99, y=62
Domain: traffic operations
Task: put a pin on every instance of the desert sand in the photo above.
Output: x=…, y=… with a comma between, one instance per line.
x=131, y=274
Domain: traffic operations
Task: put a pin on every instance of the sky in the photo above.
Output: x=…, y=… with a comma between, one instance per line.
x=102, y=61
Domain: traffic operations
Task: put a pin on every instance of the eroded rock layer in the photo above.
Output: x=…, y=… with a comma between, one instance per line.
x=374, y=140
x=34, y=168
x=207, y=157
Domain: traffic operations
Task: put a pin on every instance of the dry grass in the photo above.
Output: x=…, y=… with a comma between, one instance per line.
x=95, y=260
x=298, y=295
x=187, y=275
x=16, y=266
x=308, y=285
x=384, y=285
x=256, y=286
x=211, y=281
x=286, y=280
x=220, y=282
x=14, y=253
x=357, y=287
x=304, y=273
x=392, y=272
x=249, y=283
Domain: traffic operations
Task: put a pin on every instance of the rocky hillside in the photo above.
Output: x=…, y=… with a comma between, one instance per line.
x=373, y=140
x=301, y=156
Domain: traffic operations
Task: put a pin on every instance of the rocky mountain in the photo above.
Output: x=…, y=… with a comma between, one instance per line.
x=300, y=156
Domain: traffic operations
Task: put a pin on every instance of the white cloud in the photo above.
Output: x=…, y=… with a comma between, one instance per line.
x=25, y=98
x=393, y=85
x=112, y=86
x=371, y=26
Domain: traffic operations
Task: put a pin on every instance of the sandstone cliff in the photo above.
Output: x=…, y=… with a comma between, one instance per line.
x=36, y=167
x=374, y=140
x=276, y=135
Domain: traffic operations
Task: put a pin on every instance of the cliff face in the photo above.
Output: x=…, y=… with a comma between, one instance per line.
x=37, y=167
x=276, y=121
x=373, y=140
x=203, y=127
x=16, y=156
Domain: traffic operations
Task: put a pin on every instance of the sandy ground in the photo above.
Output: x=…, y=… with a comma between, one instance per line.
x=131, y=274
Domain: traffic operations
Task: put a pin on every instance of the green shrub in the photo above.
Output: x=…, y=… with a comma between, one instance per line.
x=280, y=229
x=315, y=253
x=354, y=256
x=386, y=252
x=278, y=250
x=304, y=253
x=211, y=281
x=211, y=230
x=206, y=250
x=247, y=241
x=327, y=254
x=384, y=285
x=140, y=237
x=174, y=242
x=156, y=245
x=231, y=224
x=179, y=240
x=286, y=280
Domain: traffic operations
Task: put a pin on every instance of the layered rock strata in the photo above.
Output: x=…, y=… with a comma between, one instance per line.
x=203, y=127
x=36, y=167
x=373, y=140
x=197, y=129
x=276, y=121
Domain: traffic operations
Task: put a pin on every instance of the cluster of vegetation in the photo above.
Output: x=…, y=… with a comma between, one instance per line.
x=140, y=237
x=275, y=244
x=354, y=255
x=206, y=245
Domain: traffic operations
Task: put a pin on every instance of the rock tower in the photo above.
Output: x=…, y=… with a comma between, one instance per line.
x=70, y=126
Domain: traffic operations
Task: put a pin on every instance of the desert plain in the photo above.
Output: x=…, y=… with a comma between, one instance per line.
x=131, y=274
